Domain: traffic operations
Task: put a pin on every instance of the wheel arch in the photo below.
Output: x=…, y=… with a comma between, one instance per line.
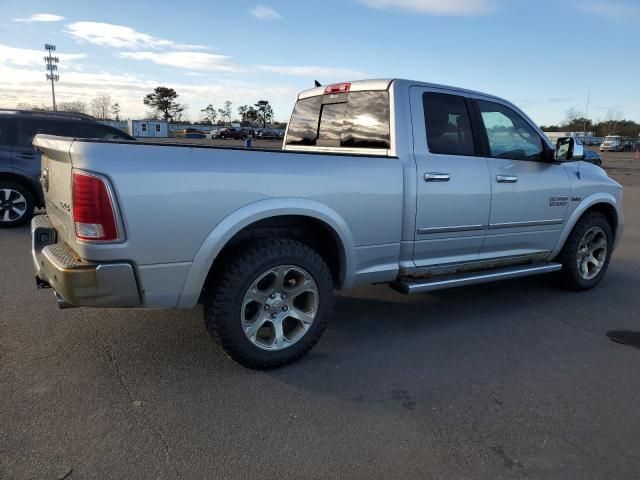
x=27, y=183
x=271, y=213
x=600, y=202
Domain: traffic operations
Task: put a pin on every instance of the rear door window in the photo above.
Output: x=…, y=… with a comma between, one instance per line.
x=348, y=120
x=8, y=132
x=91, y=130
x=447, y=124
x=30, y=127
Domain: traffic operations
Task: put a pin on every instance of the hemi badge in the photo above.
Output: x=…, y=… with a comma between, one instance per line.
x=576, y=198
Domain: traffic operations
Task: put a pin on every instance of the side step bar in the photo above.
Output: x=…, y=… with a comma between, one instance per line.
x=408, y=285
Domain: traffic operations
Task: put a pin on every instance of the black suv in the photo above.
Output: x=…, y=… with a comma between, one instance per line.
x=20, y=190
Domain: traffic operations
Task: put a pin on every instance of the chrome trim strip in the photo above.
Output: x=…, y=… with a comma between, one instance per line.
x=533, y=223
x=455, y=228
x=475, y=278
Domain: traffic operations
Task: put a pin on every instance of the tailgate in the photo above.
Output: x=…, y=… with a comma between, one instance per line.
x=55, y=173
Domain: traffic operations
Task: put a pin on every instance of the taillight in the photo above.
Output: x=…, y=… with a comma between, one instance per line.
x=337, y=88
x=93, y=210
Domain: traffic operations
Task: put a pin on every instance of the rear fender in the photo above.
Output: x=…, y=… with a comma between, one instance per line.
x=245, y=216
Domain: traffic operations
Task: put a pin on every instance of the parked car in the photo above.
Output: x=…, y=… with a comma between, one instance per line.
x=417, y=185
x=234, y=133
x=592, y=157
x=20, y=189
x=270, y=134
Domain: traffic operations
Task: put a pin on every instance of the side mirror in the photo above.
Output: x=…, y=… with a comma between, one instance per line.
x=568, y=149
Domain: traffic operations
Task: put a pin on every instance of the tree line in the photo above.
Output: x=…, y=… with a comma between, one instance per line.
x=163, y=103
x=612, y=123
x=101, y=107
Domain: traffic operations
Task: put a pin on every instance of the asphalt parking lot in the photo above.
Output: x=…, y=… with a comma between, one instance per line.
x=509, y=380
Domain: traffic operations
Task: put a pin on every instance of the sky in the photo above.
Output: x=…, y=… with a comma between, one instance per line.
x=543, y=55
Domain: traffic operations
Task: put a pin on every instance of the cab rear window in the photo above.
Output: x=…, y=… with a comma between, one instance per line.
x=348, y=120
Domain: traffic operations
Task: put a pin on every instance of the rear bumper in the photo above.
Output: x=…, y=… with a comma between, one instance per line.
x=79, y=282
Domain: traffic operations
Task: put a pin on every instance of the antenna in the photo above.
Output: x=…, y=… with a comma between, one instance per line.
x=52, y=67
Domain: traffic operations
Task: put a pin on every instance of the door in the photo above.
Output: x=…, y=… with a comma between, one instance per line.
x=453, y=189
x=530, y=194
x=26, y=161
x=8, y=137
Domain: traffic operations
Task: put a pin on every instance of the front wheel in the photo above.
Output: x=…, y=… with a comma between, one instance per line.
x=16, y=204
x=586, y=253
x=271, y=302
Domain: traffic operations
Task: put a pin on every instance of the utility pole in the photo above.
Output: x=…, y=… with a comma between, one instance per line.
x=586, y=114
x=52, y=68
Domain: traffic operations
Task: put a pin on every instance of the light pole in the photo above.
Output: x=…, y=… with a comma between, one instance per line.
x=52, y=68
x=586, y=114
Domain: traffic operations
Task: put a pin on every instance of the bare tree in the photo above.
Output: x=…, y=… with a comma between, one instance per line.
x=75, y=106
x=611, y=119
x=101, y=106
x=571, y=115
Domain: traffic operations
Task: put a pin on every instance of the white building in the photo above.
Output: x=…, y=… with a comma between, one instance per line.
x=148, y=128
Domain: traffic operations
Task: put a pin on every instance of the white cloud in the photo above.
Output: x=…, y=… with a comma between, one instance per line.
x=40, y=17
x=199, y=61
x=196, y=62
x=27, y=85
x=119, y=36
x=434, y=7
x=265, y=13
x=313, y=72
x=27, y=57
x=610, y=10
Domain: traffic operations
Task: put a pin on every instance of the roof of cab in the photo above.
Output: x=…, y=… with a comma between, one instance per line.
x=385, y=83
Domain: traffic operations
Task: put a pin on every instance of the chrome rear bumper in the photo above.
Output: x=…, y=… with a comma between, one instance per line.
x=79, y=282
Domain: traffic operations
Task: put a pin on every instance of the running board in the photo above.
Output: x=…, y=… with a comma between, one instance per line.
x=408, y=285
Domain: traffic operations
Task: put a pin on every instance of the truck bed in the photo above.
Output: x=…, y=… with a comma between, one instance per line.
x=171, y=198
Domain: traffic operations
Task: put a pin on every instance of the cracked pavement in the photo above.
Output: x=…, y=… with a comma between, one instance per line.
x=506, y=380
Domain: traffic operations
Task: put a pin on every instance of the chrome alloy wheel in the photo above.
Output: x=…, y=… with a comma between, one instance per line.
x=592, y=253
x=13, y=205
x=279, y=307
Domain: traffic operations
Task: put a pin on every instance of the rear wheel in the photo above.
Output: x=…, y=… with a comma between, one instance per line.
x=269, y=305
x=586, y=253
x=16, y=204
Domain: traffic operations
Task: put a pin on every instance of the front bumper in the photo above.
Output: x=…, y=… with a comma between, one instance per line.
x=78, y=282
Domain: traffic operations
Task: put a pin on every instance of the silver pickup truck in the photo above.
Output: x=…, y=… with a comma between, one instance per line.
x=417, y=185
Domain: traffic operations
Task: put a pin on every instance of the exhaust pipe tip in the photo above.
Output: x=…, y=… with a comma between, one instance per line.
x=62, y=303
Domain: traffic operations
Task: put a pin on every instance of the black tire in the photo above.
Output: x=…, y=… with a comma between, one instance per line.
x=28, y=205
x=224, y=295
x=570, y=276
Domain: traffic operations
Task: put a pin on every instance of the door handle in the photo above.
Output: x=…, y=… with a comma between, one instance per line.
x=506, y=178
x=436, y=177
x=26, y=155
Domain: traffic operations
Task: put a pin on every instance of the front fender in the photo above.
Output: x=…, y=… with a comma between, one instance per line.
x=245, y=216
x=587, y=203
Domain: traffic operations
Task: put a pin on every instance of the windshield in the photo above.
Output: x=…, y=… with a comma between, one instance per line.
x=611, y=139
x=349, y=120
